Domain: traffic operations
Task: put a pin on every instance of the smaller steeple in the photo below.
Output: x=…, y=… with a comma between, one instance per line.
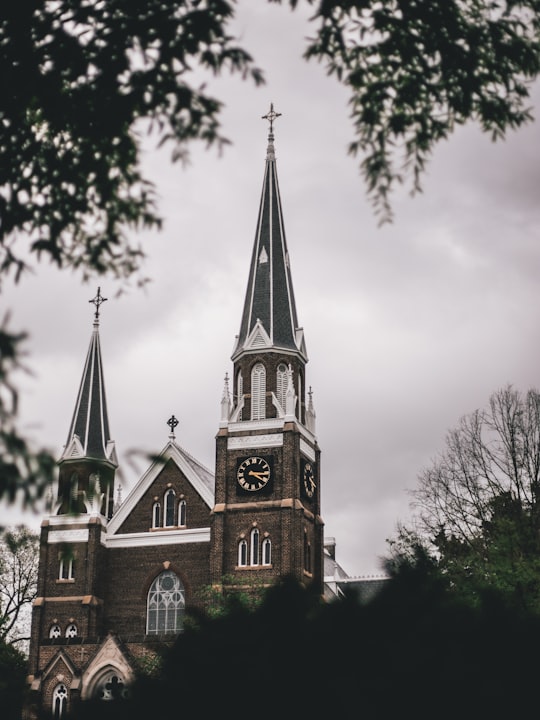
x=89, y=452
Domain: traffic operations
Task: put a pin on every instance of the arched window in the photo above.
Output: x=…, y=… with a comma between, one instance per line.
x=300, y=396
x=182, y=513
x=169, y=508
x=55, y=632
x=156, y=515
x=266, y=551
x=166, y=604
x=281, y=384
x=66, y=569
x=242, y=553
x=71, y=630
x=59, y=703
x=239, y=391
x=258, y=392
x=111, y=686
x=254, y=555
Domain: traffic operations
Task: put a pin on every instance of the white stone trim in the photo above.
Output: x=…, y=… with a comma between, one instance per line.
x=158, y=537
x=68, y=536
x=252, y=441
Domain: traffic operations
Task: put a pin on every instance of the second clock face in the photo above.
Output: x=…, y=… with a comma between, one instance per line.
x=308, y=480
x=253, y=473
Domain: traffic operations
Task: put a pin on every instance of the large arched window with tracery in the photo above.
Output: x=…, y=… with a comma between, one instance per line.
x=258, y=392
x=165, y=605
x=59, y=703
x=111, y=686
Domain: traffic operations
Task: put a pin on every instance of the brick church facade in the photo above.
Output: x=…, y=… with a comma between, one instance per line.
x=115, y=582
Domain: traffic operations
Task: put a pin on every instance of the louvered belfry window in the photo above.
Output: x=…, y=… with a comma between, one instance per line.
x=281, y=384
x=258, y=392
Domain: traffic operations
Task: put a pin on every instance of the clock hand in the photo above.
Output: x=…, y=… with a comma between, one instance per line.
x=258, y=475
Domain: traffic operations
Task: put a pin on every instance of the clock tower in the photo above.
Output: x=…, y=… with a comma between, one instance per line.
x=266, y=521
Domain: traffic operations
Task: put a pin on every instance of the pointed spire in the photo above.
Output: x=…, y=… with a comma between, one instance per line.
x=89, y=435
x=310, y=414
x=269, y=301
x=226, y=400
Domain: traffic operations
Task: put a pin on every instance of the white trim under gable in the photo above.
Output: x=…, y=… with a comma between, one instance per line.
x=161, y=537
x=171, y=451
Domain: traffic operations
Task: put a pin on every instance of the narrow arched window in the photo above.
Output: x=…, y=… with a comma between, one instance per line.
x=254, y=549
x=239, y=391
x=165, y=604
x=156, y=515
x=55, y=632
x=299, y=403
x=59, y=703
x=242, y=553
x=169, y=508
x=182, y=513
x=266, y=551
x=258, y=392
x=71, y=630
x=281, y=384
x=66, y=570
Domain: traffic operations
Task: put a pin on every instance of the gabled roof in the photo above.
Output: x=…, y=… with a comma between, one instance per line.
x=201, y=479
x=89, y=435
x=269, y=300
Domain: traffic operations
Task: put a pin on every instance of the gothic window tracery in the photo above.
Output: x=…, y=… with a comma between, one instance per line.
x=55, y=632
x=71, y=630
x=165, y=604
x=111, y=687
x=59, y=703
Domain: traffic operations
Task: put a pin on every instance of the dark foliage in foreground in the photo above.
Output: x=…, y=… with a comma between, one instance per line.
x=413, y=651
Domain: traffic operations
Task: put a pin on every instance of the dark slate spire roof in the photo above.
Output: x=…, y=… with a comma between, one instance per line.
x=269, y=298
x=89, y=434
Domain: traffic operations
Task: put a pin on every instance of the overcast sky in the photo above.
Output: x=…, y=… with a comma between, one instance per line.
x=408, y=326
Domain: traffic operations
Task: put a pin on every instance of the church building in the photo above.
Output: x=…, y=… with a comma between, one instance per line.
x=115, y=580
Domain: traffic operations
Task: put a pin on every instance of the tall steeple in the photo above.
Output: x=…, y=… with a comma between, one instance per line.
x=89, y=456
x=267, y=481
x=269, y=317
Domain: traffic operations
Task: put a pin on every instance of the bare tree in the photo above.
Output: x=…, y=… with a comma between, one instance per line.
x=19, y=556
x=476, y=509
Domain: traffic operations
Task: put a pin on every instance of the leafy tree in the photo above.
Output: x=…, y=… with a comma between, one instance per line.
x=477, y=507
x=19, y=557
x=81, y=81
x=12, y=681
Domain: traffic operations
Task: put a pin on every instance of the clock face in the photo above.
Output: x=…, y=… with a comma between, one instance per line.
x=308, y=480
x=253, y=473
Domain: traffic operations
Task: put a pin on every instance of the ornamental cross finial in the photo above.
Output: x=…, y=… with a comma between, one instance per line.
x=271, y=115
x=98, y=301
x=172, y=422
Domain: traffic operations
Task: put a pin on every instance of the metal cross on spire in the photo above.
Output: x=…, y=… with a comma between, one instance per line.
x=172, y=422
x=271, y=115
x=98, y=301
